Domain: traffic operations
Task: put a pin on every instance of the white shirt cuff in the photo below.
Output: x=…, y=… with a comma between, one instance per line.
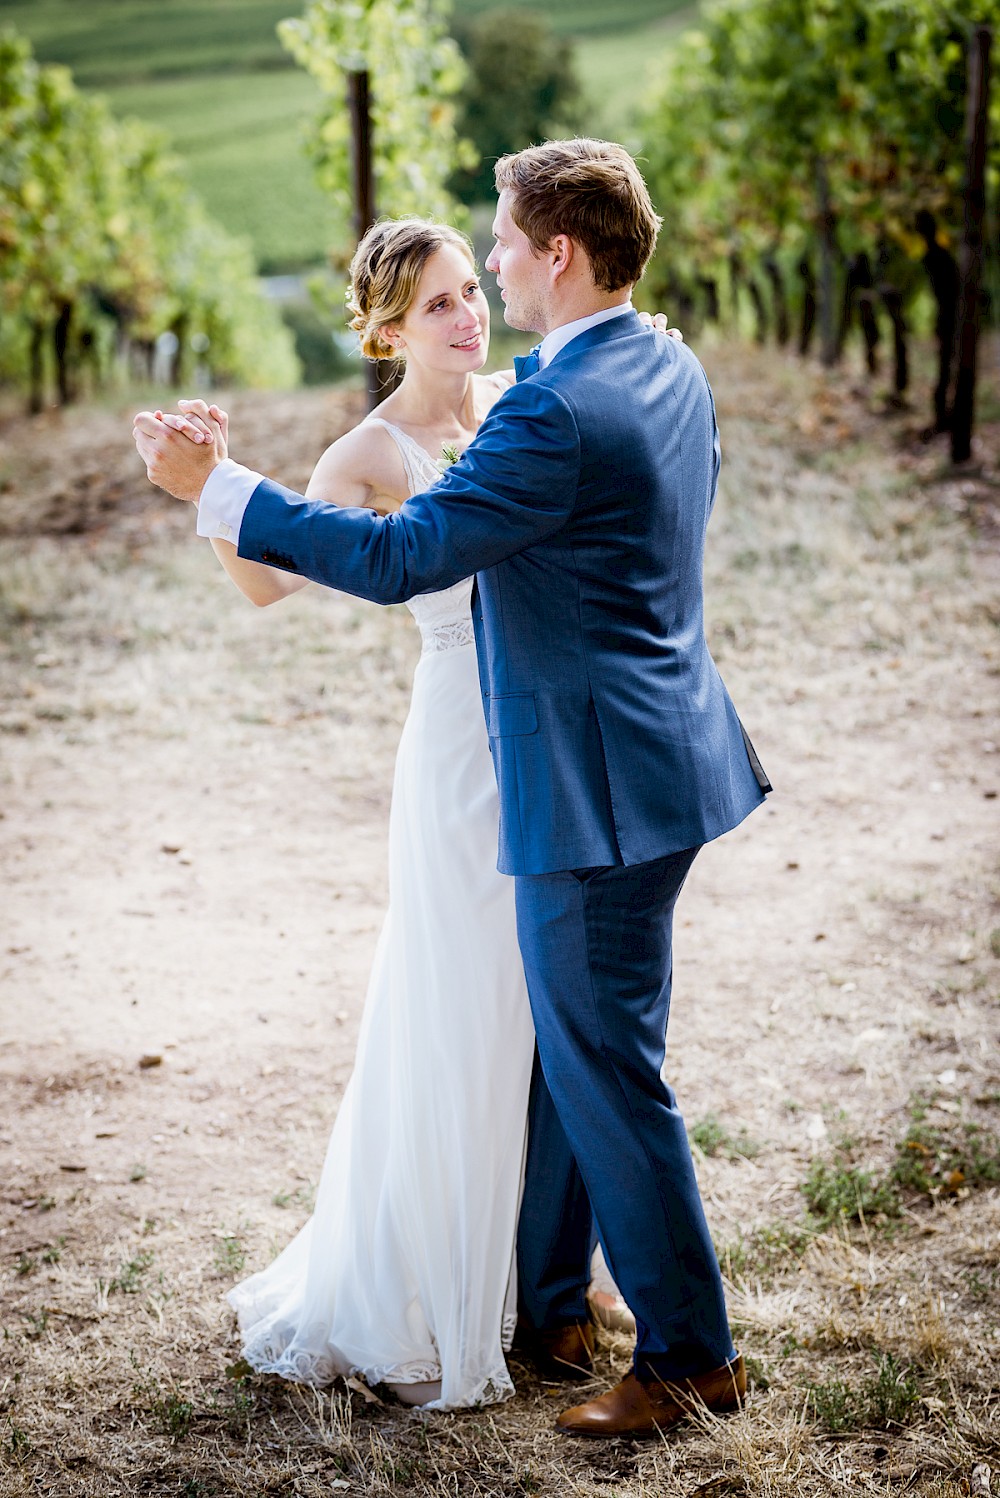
x=224, y=500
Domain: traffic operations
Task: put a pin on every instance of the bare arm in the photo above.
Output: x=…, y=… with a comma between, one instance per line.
x=357, y=469
x=261, y=584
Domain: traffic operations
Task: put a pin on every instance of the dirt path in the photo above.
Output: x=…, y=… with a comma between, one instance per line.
x=193, y=804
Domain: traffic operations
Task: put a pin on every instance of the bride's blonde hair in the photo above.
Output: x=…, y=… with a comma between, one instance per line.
x=385, y=273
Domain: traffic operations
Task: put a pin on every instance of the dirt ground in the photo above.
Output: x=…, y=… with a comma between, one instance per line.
x=193, y=809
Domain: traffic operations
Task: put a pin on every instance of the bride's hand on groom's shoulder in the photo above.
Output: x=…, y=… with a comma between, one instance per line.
x=658, y=322
x=180, y=450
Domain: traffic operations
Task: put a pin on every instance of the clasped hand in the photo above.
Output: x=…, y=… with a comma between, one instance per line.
x=180, y=451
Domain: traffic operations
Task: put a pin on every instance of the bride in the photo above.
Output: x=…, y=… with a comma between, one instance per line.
x=404, y=1275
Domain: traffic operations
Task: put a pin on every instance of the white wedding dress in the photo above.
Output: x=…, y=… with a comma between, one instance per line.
x=405, y=1272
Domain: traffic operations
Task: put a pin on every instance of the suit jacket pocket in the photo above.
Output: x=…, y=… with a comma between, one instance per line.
x=511, y=713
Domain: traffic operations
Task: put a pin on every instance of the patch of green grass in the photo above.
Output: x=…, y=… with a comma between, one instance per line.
x=932, y=1159
x=918, y=1105
x=25, y=1265
x=230, y=1255
x=743, y=1146
x=982, y=1287
x=128, y=1280
x=832, y=1404
x=712, y=1139
x=708, y=1134
x=237, y=1409
x=763, y=1252
x=172, y=1413
x=174, y=1416
x=18, y=1444
x=880, y=1400
x=756, y=1373
x=37, y=1325
x=302, y=1196
x=835, y=1190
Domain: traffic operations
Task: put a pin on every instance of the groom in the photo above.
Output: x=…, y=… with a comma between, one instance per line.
x=581, y=506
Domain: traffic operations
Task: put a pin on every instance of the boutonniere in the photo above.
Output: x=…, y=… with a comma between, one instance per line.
x=449, y=454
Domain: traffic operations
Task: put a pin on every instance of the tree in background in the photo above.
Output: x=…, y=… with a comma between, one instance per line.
x=415, y=71
x=386, y=141
x=814, y=136
x=52, y=244
x=521, y=88
x=102, y=244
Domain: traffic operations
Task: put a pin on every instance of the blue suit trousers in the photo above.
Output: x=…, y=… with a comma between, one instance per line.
x=596, y=945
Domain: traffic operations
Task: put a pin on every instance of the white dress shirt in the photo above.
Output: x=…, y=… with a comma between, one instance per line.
x=557, y=340
x=229, y=486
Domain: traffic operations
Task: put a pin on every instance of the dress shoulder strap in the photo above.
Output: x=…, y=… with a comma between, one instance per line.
x=421, y=470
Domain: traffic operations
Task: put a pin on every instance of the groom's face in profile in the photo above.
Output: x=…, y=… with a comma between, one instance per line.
x=522, y=273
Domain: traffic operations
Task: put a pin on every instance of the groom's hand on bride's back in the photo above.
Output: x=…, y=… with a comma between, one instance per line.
x=181, y=450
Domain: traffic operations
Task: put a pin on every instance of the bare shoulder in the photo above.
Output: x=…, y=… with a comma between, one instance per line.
x=363, y=467
x=489, y=389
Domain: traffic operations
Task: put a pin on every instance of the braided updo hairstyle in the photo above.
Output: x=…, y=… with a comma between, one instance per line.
x=385, y=272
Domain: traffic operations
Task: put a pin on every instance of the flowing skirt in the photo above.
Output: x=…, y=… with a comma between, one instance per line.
x=405, y=1272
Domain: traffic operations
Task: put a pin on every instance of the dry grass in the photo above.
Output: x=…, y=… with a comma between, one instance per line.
x=839, y=989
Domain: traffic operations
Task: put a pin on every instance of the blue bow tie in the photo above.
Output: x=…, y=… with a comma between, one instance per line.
x=527, y=364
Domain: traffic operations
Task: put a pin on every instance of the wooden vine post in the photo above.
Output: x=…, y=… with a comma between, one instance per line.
x=359, y=104
x=363, y=191
x=970, y=295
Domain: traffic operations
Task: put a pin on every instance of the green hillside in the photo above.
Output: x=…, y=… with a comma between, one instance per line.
x=214, y=78
x=242, y=136
x=113, y=42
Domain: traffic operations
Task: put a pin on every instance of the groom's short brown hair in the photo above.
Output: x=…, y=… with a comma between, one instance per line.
x=591, y=190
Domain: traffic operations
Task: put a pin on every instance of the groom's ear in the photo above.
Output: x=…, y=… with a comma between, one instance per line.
x=563, y=251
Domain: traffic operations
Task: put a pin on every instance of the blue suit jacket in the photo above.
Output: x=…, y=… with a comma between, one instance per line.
x=582, y=506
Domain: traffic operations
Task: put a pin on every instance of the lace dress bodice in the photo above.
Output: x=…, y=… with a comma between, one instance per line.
x=445, y=618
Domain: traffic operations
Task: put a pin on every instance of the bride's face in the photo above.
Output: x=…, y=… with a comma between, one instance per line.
x=447, y=326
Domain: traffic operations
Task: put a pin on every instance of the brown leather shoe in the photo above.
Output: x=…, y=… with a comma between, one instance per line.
x=566, y=1352
x=633, y=1408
